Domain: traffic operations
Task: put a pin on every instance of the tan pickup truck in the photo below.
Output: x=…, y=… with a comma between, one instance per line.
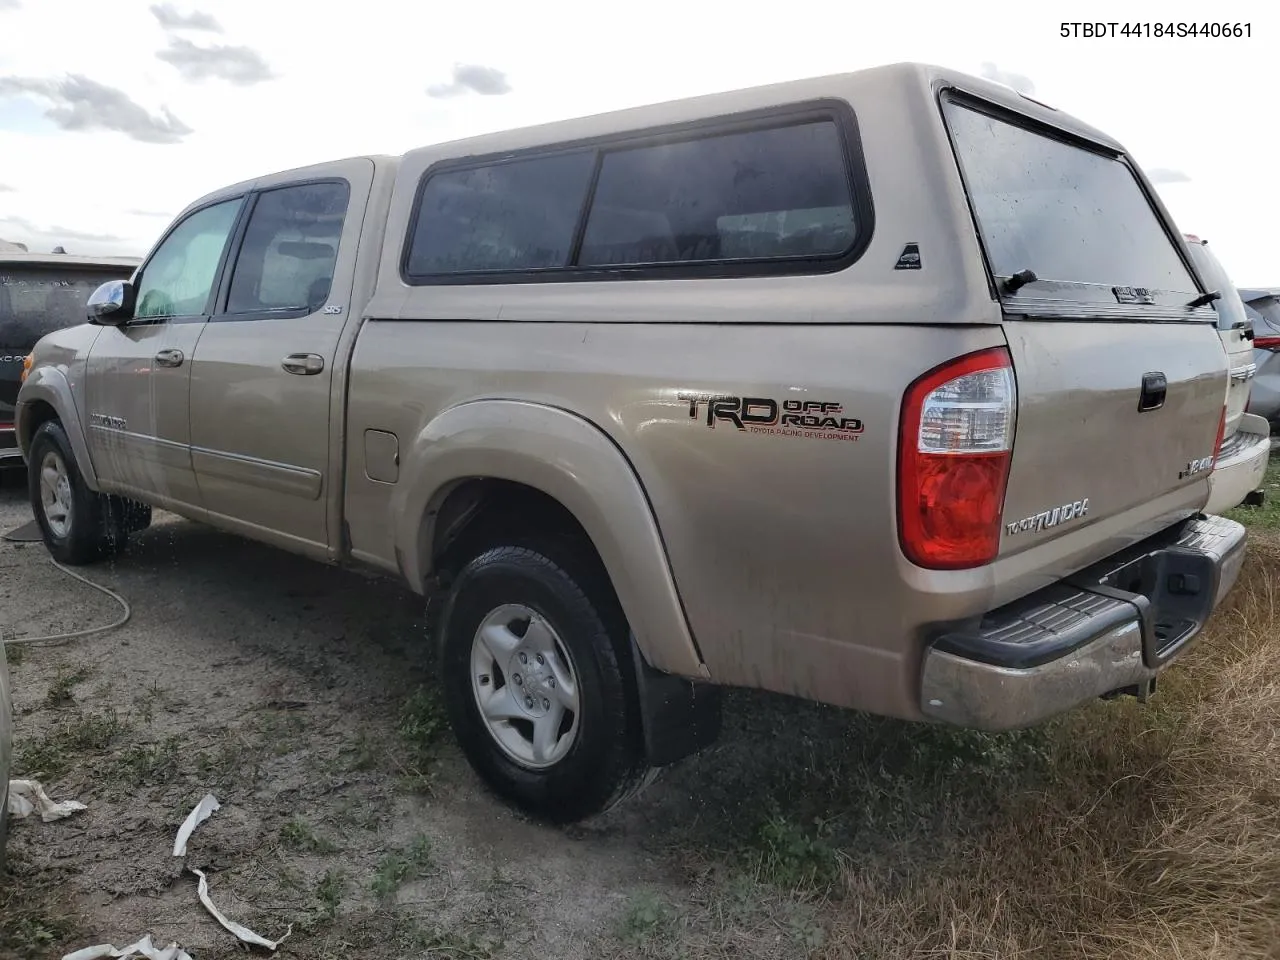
x=844, y=388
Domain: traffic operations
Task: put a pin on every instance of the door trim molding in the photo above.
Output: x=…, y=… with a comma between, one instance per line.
x=255, y=472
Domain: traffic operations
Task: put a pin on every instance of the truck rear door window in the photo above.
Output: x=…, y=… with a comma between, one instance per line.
x=1066, y=213
x=286, y=260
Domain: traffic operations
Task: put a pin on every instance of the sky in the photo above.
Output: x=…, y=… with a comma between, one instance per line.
x=115, y=114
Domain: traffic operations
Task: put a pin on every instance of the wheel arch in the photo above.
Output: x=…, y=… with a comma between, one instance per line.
x=572, y=470
x=46, y=395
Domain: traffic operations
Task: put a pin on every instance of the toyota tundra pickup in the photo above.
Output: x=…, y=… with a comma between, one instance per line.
x=847, y=388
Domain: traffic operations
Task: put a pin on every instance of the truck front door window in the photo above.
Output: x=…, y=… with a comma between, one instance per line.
x=176, y=282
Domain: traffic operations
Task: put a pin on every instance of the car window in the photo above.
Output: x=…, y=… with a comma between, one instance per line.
x=763, y=194
x=38, y=300
x=1231, y=312
x=1062, y=211
x=177, y=280
x=290, y=248
x=518, y=215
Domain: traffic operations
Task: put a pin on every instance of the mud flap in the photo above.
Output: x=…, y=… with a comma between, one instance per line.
x=679, y=716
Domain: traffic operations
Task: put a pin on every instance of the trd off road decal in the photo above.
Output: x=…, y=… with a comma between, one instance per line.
x=809, y=419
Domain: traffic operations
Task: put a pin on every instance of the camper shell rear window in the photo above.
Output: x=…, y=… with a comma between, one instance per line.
x=1076, y=216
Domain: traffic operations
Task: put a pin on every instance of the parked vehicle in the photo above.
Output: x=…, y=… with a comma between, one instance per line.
x=761, y=389
x=1263, y=308
x=40, y=293
x=6, y=750
x=1241, y=463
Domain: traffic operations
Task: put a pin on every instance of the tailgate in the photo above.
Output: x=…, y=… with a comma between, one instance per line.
x=1121, y=374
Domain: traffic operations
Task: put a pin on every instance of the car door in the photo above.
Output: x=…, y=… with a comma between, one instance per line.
x=138, y=374
x=263, y=373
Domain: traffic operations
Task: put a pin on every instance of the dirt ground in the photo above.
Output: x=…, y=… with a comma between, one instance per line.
x=300, y=696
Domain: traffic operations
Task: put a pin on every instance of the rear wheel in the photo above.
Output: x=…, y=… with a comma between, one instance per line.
x=538, y=683
x=78, y=524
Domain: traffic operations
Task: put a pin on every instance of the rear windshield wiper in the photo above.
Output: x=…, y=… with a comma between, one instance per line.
x=1205, y=298
x=1019, y=280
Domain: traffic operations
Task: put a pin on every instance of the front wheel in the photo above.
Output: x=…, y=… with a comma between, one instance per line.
x=78, y=523
x=538, y=684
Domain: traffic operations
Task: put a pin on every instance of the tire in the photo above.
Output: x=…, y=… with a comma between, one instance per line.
x=90, y=529
x=596, y=760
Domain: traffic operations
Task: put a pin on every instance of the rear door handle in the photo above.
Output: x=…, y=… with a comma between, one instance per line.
x=303, y=364
x=170, y=358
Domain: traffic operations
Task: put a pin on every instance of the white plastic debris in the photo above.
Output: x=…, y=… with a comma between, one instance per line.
x=202, y=812
x=243, y=933
x=143, y=948
x=27, y=796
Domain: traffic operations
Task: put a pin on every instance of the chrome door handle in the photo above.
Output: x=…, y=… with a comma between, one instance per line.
x=303, y=364
x=170, y=358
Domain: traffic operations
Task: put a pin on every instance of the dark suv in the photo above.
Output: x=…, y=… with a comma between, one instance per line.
x=39, y=293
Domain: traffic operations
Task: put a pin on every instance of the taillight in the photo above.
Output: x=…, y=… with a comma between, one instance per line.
x=1267, y=343
x=26, y=368
x=954, y=449
x=1222, y=432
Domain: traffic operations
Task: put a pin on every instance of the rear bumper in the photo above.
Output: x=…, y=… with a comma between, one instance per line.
x=1241, y=465
x=1112, y=628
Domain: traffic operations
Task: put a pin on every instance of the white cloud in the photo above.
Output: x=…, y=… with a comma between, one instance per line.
x=472, y=78
x=1166, y=175
x=242, y=66
x=76, y=103
x=171, y=18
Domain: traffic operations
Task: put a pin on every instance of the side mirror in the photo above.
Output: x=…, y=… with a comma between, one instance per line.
x=111, y=304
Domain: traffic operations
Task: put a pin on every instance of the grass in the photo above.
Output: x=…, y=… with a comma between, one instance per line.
x=423, y=724
x=329, y=891
x=401, y=866
x=71, y=739
x=1267, y=516
x=790, y=855
x=299, y=836
x=647, y=917
x=62, y=688
x=32, y=917
x=148, y=764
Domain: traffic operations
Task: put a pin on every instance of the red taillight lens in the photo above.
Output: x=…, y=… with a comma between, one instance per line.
x=1222, y=432
x=954, y=449
x=1267, y=343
